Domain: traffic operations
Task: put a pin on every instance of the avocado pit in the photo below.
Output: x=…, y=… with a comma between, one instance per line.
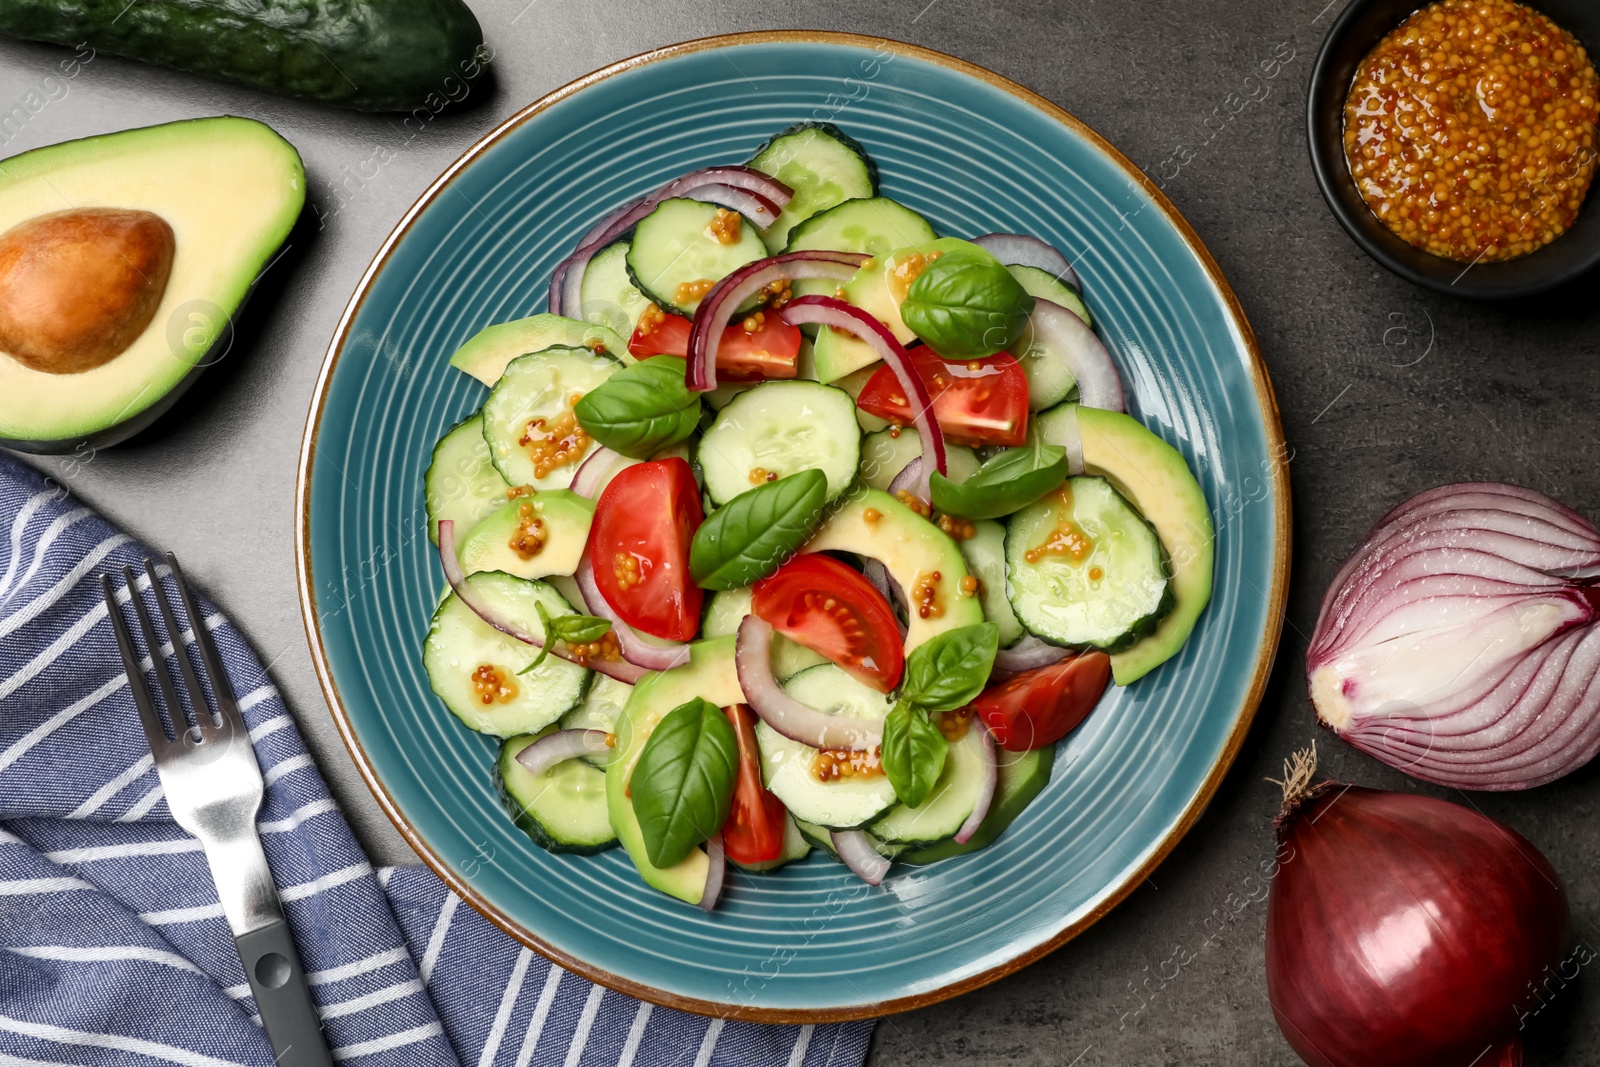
x=78, y=287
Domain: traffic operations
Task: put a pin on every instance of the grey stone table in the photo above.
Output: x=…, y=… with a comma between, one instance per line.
x=1385, y=390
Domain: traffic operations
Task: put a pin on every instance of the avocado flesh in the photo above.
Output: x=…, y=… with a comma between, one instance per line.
x=486, y=353
x=911, y=548
x=871, y=289
x=230, y=188
x=563, y=530
x=710, y=675
x=1157, y=482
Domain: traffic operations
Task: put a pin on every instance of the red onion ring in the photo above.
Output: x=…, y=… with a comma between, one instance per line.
x=1027, y=654
x=596, y=470
x=753, y=206
x=718, y=306
x=856, y=852
x=1021, y=250
x=716, y=872
x=831, y=311
x=991, y=779
x=1099, y=385
x=539, y=756
x=621, y=670
x=752, y=658
x=1461, y=642
x=634, y=648
x=567, y=279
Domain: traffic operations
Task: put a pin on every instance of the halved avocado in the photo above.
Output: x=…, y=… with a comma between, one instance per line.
x=1157, y=482
x=226, y=192
x=710, y=675
x=913, y=549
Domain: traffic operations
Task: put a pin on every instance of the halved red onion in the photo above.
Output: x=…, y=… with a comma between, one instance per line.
x=1027, y=654
x=716, y=871
x=633, y=646
x=752, y=658
x=1461, y=643
x=991, y=779
x=1021, y=250
x=831, y=311
x=717, y=307
x=567, y=279
x=621, y=670
x=596, y=470
x=1099, y=385
x=856, y=852
x=539, y=756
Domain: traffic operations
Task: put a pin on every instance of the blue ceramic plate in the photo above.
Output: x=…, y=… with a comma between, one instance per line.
x=972, y=152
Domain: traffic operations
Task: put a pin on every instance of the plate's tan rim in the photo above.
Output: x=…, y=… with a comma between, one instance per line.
x=1277, y=595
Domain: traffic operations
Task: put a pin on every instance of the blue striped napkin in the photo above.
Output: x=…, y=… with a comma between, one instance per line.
x=115, y=950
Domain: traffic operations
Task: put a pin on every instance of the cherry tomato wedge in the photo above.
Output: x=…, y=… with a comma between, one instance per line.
x=975, y=401
x=1039, y=707
x=639, y=547
x=831, y=609
x=772, y=350
x=755, y=827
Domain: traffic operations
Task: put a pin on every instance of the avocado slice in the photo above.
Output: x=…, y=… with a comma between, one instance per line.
x=1154, y=478
x=486, y=353
x=877, y=289
x=912, y=548
x=710, y=675
x=229, y=189
x=531, y=536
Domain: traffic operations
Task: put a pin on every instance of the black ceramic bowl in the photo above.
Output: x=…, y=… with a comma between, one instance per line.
x=1356, y=31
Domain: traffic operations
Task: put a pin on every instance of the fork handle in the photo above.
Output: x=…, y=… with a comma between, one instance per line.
x=282, y=996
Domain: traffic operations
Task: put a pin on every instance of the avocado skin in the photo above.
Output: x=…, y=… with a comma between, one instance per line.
x=369, y=55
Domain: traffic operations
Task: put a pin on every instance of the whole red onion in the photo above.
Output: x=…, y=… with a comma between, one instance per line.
x=1404, y=930
x=1461, y=642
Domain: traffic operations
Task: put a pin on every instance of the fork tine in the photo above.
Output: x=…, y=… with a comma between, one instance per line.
x=148, y=716
x=221, y=684
x=158, y=662
x=199, y=710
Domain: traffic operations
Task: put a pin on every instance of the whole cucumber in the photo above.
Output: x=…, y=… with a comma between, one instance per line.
x=370, y=55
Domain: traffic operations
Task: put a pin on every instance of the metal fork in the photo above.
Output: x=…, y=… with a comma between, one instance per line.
x=213, y=785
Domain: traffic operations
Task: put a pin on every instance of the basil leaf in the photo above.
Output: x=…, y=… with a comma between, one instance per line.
x=913, y=753
x=751, y=535
x=948, y=671
x=641, y=409
x=1009, y=481
x=966, y=305
x=682, y=786
x=579, y=629
x=547, y=629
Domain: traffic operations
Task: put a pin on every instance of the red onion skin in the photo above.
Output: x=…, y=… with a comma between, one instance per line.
x=1404, y=931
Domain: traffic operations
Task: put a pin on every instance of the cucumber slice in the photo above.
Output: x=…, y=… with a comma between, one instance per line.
x=676, y=254
x=1103, y=585
x=1050, y=379
x=534, y=399
x=947, y=805
x=487, y=352
x=787, y=765
x=1022, y=776
x=460, y=645
x=725, y=610
x=985, y=553
x=608, y=296
x=461, y=483
x=796, y=846
x=780, y=428
x=885, y=454
x=875, y=225
x=823, y=166
x=530, y=536
x=563, y=809
x=599, y=710
x=820, y=836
